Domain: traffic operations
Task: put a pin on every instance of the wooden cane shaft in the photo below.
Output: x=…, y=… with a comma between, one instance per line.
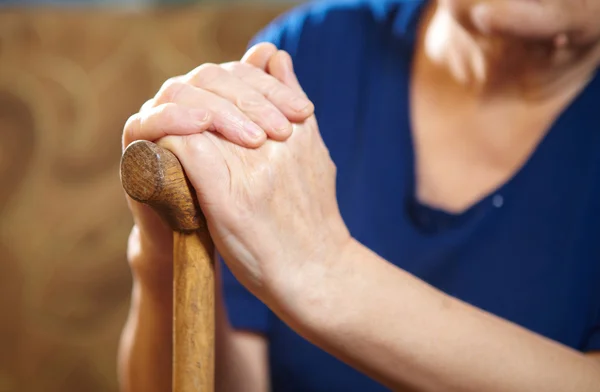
x=153, y=175
x=194, y=313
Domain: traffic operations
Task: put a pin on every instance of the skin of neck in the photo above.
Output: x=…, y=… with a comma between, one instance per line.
x=493, y=66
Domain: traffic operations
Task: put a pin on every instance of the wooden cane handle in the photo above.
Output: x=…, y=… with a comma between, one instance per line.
x=153, y=175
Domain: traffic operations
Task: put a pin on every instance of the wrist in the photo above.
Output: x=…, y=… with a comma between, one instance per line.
x=308, y=298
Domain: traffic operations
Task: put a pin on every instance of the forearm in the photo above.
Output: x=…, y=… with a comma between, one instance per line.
x=405, y=333
x=145, y=352
x=241, y=358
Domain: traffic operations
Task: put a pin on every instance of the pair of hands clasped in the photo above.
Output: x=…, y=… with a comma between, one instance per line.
x=248, y=140
x=264, y=178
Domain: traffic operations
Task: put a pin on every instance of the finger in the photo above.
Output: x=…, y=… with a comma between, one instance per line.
x=265, y=56
x=204, y=164
x=165, y=119
x=293, y=104
x=281, y=67
x=259, y=55
x=149, y=104
x=227, y=119
x=523, y=19
x=256, y=106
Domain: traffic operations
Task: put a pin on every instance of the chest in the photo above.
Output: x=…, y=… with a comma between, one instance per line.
x=521, y=179
x=532, y=260
x=466, y=147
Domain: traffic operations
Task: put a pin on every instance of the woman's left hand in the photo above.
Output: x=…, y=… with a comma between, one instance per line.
x=272, y=211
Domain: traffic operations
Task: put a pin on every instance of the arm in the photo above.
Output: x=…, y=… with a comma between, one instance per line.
x=274, y=217
x=145, y=349
x=144, y=362
x=403, y=332
x=241, y=362
x=206, y=98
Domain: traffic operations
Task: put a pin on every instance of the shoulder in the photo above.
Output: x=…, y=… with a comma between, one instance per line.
x=345, y=53
x=337, y=42
x=317, y=23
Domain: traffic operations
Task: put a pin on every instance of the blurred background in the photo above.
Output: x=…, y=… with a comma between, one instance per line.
x=71, y=73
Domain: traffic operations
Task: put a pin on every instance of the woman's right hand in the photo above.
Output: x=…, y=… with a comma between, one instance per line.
x=233, y=99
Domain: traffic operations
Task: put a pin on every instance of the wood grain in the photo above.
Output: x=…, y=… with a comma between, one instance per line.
x=153, y=175
x=193, y=319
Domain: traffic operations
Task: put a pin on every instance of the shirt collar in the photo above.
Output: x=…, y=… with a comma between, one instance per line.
x=407, y=18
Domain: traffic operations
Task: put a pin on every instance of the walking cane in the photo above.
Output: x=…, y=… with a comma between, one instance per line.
x=153, y=175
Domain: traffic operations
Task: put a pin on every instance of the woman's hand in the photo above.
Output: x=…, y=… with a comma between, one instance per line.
x=146, y=347
x=562, y=21
x=272, y=211
x=228, y=99
x=238, y=100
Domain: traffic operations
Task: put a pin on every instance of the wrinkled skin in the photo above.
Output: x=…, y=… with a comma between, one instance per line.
x=274, y=204
x=272, y=211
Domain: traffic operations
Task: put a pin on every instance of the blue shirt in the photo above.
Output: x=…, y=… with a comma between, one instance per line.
x=528, y=252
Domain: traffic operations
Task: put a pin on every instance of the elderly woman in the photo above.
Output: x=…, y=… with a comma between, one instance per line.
x=457, y=245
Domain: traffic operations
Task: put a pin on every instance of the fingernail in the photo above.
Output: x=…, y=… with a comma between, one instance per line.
x=279, y=122
x=300, y=104
x=200, y=116
x=253, y=131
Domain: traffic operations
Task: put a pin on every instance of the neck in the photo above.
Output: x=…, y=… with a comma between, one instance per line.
x=493, y=66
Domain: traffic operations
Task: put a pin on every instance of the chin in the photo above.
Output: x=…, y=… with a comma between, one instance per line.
x=461, y=9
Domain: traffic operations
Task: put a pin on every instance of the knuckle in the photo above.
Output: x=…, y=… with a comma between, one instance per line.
x=250, y=74
x=206, y=74
x=250, y=102
x=148, y=105
x=230, y=66
x=130, y=123
x=169, y=90
x=192, y=145
x=166, y=114
x=131, y=129
x=238, y=68
x=275, y=91
x=332, y=167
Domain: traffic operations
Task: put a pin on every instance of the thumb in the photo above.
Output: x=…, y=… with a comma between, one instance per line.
x=532, y=20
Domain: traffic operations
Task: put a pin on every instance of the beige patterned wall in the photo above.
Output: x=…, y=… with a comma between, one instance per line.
x=68, y=81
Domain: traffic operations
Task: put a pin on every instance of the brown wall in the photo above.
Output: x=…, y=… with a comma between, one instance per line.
x=68, y=81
